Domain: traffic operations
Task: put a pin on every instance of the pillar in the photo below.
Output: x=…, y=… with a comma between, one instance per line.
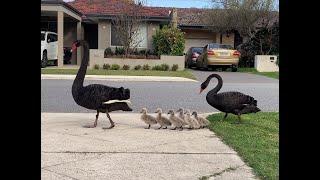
x=60, y=38
x=79, y=37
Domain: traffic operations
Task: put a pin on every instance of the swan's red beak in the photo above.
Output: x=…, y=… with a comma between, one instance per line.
x=74, y=47
x=201, y=90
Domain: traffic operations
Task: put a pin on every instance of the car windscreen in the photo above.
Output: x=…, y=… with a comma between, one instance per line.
x=42, y=37
x=220, y=46
x=225, y=46
x=198, y=50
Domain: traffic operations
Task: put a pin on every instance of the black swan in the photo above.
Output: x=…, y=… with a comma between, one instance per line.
x=97, y=97
x=229, y=102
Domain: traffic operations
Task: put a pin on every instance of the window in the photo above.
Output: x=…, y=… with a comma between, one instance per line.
x=140, y=38
x=42, y=36
x=52, y=38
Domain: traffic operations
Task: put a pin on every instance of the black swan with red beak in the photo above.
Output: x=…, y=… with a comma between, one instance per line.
x=235, y=103
x=97, y=97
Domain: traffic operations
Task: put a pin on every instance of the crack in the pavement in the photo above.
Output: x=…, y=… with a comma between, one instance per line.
x=221, y=172
x=134, y=152
x=60, y=174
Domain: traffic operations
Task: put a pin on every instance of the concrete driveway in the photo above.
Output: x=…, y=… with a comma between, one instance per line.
x=129, y=151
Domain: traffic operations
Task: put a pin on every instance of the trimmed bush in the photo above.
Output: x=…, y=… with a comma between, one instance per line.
x=126, y=67
x=146, y=67
x=138, y=67
x=169, y=41
x=115, y=67
x=174, y=67
x=119, y=51
x=106, y=66
x=96, y=66
x=108, y=52
x=165, y=67
x=157, y=68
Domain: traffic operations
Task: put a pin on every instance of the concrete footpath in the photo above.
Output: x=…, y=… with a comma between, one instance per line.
x=128, y=151
x=119, y=78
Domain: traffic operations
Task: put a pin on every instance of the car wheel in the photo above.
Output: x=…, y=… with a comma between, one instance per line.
x=234, y=69
x=44, y=61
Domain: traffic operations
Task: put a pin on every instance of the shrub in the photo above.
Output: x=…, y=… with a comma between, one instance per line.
x=142, y=52
x=108, y=52
x=165, y=67
x=126, y=67
x=96, y=66
x=119, y=51
x=146, y=67
x=138, y=67
x=106, y=66
x=169, y=41
x=174, y=67
x=115, y=67
x=156, y=68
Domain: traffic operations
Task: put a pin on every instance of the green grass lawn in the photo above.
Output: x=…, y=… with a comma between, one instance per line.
x=256, y=140
x=185, y=73
x=254, y=71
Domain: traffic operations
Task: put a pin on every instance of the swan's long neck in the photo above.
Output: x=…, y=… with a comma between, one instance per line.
x=218, y=86
x=78, y=81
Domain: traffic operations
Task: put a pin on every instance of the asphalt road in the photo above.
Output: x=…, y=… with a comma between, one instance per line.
x=56, y=94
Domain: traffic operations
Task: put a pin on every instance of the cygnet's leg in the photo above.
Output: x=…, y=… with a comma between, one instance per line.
x=165, y=127
x=95, y=122
x=111, y=122
x=175, y=127
x=148, y=127
x=160, y=127
x=181, y=128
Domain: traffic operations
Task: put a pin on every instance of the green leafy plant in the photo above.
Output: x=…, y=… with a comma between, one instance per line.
x=115, y=67
x=106, y=66
x=108, y=52
x=96, y=66
x=169, y=41
x=146, y=67
x=119, y=51
x=165, y=67
x=175, y=67
x=125, y=67
x=137, y=67
x=157, y=68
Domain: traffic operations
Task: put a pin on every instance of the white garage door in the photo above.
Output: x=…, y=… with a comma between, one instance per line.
x=196, y=43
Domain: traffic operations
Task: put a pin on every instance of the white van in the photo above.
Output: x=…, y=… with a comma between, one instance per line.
x=49, y=47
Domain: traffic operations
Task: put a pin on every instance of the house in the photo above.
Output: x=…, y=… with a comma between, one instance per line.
x=91, y=20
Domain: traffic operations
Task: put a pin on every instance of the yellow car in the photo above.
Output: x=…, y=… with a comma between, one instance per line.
x=221, y=55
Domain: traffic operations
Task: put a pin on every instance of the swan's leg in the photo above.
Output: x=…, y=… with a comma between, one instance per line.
x=225, y=116
x=111, y=122
x=95, y=122
x=148, y=127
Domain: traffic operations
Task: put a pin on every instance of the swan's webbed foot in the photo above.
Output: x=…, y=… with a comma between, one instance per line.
x=111, y=122
x=174, y=128
x=148, y=127
x=110, y=127
x=95, y=122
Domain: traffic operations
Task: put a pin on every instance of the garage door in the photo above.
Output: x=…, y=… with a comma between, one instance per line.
x=196, y=43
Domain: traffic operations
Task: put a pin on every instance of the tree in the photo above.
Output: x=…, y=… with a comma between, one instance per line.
x=243, y=16
x=127, y=24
